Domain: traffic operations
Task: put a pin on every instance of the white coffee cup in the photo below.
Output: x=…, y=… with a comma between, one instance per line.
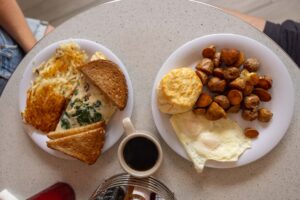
x=131, y=133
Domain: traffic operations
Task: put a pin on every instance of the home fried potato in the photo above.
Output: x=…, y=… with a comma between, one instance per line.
x=229, y=56
x=215, y=112
x=251, y=64
x=218, y=72
x=231, y=73
x=217, y=59
x=223, y=101
x=235, y=97
x=248, y=89
x=263, y=94
x=216, y=84
x=251, y=132
x=264, y=115
x=251, y=102
x=249, y=115
x=203, y=77
x=264, y=82
x=234, y=109
x=240, y=60
x=209, y=52
x=252, y=77
x=204, y=100
x=238, y=83
x=206, y=65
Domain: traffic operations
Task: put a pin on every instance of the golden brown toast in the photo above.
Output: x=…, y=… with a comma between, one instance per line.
x=85, y=146
x=74, y=131
x=108, y=77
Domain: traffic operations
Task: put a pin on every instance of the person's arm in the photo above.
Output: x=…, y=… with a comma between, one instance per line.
x=254, y=21
x=13, y=21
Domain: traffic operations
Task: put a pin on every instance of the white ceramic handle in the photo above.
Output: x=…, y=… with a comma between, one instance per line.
x=128, y=126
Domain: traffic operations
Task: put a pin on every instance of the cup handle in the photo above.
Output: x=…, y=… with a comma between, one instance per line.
x=128, y=126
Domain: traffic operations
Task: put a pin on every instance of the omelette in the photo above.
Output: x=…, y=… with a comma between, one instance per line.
x=222, y=140
x=60, y=97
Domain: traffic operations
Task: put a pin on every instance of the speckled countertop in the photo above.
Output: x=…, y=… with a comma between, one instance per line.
x=143, y=33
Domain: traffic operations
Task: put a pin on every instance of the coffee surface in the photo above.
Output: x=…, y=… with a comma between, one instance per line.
x=140, y=154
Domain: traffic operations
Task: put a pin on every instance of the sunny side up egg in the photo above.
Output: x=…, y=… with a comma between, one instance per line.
x=222, y=140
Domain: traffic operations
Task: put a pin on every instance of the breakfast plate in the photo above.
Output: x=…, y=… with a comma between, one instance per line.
x=282, y=91
x=114, y=128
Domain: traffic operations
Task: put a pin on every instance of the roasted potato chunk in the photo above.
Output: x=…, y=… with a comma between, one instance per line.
x=215, y=84
x=251, y=102
x=215, y=112
x=229, y=56
x=231, y=73
x=263, y=95
x=264, y=82
x=235, y=97
x=203, y=77
x=204, y=100
x=251, y=64
x=234, y=109
x=240, y=60
x=251, y=132
x=218, y=72
x=223, y=101
x=217, y=59
x=264, y=115
x=249, y=115
x=248, y=89
x=206, y=65
x=209, y=52
x=252, y=77
x=238, y=83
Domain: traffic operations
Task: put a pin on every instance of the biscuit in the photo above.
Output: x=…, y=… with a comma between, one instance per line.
x=178, y=91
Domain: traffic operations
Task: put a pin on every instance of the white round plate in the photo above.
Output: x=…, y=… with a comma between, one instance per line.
x=282, y=91
x=114, y=129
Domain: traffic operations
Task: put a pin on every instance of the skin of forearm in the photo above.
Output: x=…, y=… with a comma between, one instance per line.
x=254, y=21
x=13, y=21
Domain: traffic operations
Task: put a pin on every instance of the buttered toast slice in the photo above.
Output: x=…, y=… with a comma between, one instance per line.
x=85, y=146
x=74, y=131
x=108, y=77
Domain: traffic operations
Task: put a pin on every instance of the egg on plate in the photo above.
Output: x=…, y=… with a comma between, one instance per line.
x=222, y=140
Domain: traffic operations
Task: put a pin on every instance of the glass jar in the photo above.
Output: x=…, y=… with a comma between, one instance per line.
x=126, y=187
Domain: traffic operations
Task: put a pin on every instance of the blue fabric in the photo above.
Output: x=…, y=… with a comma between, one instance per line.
x=10, y=56
x=37, y=27
x=11, y=53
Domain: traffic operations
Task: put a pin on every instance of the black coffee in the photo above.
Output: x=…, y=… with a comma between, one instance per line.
x=140, y=154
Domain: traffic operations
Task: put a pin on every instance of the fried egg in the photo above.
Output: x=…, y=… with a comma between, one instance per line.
x=222, y=140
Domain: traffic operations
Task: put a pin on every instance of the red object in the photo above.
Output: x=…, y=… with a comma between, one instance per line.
x=58, y=191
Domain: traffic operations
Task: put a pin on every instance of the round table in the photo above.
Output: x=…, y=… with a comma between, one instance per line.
x=143, y=33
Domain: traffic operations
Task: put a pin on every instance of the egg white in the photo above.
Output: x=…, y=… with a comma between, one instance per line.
x=222, y=140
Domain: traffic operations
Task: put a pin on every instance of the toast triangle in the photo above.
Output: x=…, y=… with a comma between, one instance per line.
x=108, y=77
x=84, y=146
x=74, y=131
